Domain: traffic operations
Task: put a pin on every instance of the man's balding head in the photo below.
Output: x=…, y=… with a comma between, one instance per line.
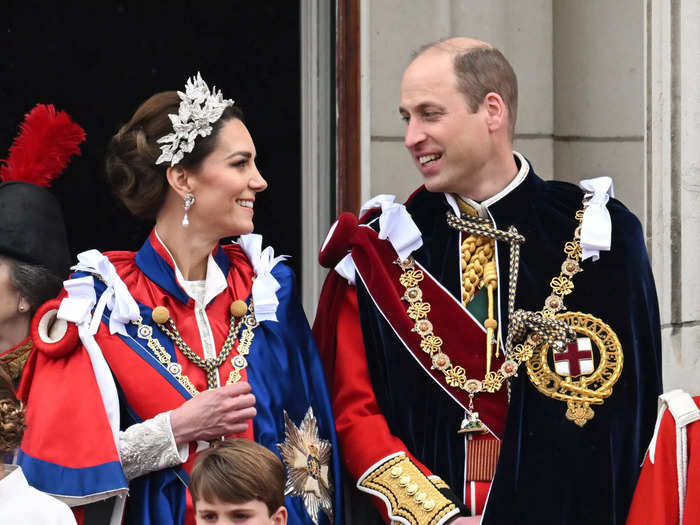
x=479, y=69
x=453, y=46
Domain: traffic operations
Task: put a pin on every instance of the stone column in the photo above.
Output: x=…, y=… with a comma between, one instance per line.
x=599, y=95
x=672, y=170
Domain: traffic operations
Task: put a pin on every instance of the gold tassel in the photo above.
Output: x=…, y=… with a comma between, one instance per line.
x=491, y=282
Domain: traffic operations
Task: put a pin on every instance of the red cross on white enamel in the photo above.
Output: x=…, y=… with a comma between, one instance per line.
x=576, y=360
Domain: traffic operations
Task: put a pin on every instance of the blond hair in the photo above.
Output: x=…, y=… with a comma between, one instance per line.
x=238, y=471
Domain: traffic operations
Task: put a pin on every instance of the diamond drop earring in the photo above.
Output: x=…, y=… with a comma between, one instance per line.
x=189, y=201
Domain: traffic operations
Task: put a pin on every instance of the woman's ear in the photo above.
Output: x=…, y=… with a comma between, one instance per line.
x=280, y=516
x=179, y=180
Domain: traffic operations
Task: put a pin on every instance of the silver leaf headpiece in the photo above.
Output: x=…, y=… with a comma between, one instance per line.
x=199, y=109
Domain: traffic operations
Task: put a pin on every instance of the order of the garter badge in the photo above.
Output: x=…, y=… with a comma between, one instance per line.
x=581, y=371
x=307, y=459
x=569, y=373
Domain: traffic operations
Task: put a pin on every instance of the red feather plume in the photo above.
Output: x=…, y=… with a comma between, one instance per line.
x=41, y=151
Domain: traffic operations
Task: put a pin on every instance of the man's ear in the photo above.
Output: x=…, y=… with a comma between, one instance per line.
x=179, y=180
x=496, y=111
x=280, y=516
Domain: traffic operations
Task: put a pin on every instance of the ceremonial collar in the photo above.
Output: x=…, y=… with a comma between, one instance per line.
x=157, y=263
x=482, y=207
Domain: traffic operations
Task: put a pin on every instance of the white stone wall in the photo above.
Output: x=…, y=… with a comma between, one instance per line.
x=673, y=177
x=599, y=94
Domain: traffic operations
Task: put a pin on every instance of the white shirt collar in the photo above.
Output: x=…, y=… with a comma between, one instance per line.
x=14, y=480
x=214, y=282
x=481, y=207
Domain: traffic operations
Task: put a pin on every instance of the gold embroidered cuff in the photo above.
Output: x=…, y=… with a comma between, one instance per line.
x=408, y=493
x=439, y=483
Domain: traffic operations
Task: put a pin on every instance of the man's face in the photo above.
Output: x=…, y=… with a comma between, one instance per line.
x=447, y=142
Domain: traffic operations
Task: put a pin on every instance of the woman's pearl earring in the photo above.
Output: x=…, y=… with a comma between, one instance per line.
x=21, y=307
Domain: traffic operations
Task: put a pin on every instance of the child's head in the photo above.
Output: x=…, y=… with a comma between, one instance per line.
x=238, y=481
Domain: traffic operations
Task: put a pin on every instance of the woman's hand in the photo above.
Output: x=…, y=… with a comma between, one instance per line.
x=213, y=413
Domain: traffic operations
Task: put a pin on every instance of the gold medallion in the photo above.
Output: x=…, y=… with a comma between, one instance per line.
x=596, y=341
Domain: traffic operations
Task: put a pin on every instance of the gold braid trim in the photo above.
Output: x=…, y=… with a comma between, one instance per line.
x=11, y=424
x=411, y=495
x=439, y=483
x=14, y=360
x=476, y=252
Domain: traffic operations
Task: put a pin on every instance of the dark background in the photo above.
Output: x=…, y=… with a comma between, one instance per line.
x=98, y=62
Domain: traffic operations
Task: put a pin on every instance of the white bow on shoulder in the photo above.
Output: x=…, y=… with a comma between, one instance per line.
x=265, y=286
x=396, y=225
x=81, y=296
x=596, y=227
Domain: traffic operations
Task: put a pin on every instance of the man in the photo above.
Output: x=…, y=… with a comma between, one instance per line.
x=444, y=394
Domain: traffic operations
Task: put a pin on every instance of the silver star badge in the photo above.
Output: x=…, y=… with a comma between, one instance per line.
x=307, y=459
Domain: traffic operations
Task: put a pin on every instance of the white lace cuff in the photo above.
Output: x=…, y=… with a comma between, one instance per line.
x=150, y=446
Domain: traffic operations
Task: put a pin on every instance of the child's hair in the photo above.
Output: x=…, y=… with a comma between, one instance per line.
x=11, y=414
x=238, y=471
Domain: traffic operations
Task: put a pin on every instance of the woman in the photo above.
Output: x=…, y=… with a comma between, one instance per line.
x=34, y=255
x=164, y=346
x=19, y=502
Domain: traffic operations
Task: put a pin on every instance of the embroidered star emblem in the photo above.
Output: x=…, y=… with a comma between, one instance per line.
x=307, y=459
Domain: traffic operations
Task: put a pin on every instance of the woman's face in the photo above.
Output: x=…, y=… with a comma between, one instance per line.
x=226, y=184
x=9, y=296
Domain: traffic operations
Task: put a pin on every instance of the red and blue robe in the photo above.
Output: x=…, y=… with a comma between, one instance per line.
x=69, y=450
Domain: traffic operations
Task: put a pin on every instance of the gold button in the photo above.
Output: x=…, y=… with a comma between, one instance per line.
x=428, y=505
x=404, y=480
x=420, y=497
x=412, y=489
x=160, y=315
x=238, y=308
x=396, y=471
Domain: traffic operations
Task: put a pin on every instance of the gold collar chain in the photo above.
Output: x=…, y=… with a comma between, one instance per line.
x=533, y=329
x=583, y=389
x=431, y=343
x=210, y=366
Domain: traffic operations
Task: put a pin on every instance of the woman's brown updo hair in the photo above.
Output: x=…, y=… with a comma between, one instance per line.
x=11, y=415
x=133, y=151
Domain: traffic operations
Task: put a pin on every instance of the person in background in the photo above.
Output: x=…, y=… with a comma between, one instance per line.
x=19, y=502
x=238, y=481
x=34, y=256
x=183, y=342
